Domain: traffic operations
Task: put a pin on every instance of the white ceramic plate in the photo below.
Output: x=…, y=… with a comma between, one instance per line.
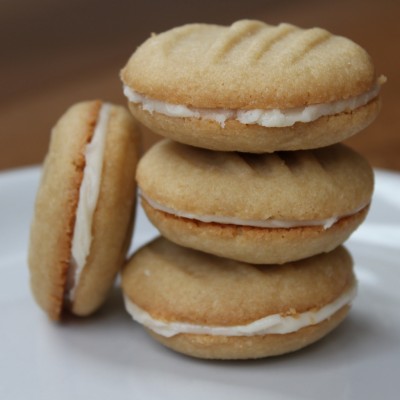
x=109, y=357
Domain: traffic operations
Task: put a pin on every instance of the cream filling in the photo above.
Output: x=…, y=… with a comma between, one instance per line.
x=273, y=118
x=271, y=324
x=88, y=197
x=268, y=223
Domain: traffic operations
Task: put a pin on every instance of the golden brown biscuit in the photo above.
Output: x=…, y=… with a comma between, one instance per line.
x=211, y=307
x=84, y=208
x=267, y=208
x=252, y=87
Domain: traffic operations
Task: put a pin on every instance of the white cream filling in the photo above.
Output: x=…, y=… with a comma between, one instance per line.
x=88, y=197
x=268, y=223
x=271, y=324
x=273, y=118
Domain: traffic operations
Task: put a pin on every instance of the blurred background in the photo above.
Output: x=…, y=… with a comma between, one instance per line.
x=55, y=53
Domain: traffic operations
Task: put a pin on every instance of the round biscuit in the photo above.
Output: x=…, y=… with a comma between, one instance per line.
x=251, y=65
x=186, y=192
x=175, y=284
x=56, y=203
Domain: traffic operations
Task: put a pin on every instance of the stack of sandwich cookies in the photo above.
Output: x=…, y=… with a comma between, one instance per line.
x=84, y=208
x=265, y=191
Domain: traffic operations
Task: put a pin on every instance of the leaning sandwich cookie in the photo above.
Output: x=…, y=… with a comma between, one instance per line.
x=252, y=87
x=210, y=307
x=84, y=208
x=256, y=208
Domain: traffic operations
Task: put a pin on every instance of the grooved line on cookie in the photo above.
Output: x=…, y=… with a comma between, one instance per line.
x=297, y=162
x=170, y=42
x=315, y=164
x=291, y=161
x=250, y=161
x=322, y=162
x=231, y=38
x=303, y=44
x=267, y=38
x=261, y=165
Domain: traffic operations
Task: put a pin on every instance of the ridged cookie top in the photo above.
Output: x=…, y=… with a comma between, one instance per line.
x=304, y=185
x=173, y=283
x=248, y=65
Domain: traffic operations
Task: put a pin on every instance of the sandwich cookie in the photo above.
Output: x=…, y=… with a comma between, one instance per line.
x=256, y=208
x=84, y=209
x=210, y=307
x=252, y=87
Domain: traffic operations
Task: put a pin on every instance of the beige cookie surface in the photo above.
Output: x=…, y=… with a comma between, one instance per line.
x=192, y=84
x=235, y=136
x=189, y=296
x=50, y=254
x=249, y=65
x=269, y=208
x=252, y=244
x=304, y=185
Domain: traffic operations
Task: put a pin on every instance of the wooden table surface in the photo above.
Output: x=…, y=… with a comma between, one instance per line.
x=58, y=53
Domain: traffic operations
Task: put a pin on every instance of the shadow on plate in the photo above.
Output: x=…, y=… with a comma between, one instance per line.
x=111, y=336
x=113, y=308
